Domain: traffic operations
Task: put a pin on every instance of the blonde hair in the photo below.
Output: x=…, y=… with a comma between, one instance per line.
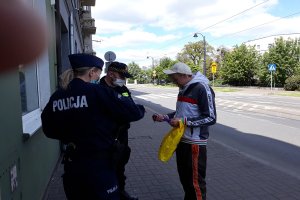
x=67, y=76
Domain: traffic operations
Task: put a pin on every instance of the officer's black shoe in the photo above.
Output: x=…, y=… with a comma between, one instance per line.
x=125, y=196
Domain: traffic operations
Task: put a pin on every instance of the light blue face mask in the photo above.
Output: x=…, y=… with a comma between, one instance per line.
x=95, y=81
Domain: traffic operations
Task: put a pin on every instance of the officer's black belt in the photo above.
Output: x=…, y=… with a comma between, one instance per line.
x=90, y=156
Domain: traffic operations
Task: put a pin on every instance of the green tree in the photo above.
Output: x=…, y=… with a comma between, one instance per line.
x=135, y=70
x=144, y=77
x=164, y=63
x=219, y=57
x=240, y=66
x=192, y=54
x=286, y=55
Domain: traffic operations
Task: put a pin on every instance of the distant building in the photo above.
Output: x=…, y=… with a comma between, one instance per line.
x=27, y=157
x=264, y=43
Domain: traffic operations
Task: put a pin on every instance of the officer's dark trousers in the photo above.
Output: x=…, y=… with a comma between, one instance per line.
x=90, y=179
x=191, y=166
x=122, y=162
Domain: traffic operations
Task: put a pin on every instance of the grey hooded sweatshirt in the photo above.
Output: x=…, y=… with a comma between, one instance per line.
x=196, y=107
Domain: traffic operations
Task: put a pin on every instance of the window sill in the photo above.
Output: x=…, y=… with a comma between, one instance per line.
x=31, y=123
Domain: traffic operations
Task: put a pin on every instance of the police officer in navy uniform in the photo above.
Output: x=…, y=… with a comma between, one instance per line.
x=115, y=79
x=84, y=116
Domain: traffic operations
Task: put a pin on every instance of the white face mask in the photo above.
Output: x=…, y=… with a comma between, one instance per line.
x=119, y=82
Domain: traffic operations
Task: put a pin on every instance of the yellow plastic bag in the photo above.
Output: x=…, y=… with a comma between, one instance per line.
x=170, y=142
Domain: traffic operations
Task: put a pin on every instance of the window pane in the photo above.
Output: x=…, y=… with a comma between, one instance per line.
x=28, y=88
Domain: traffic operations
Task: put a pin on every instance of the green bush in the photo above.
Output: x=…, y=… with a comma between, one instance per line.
x=130, y=80
x=292, y=83
x=217, y=82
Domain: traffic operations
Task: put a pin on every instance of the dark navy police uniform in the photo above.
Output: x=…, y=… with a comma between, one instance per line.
x=122, y=136
x=84, y=116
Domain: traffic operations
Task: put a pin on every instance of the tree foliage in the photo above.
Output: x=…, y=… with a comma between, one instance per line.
x=134, y=69
x=219, y=58
x=240, y=66
x=192, y=54
x=292, y=83
x=164, y=63
x=137, y=73
x=285, y=54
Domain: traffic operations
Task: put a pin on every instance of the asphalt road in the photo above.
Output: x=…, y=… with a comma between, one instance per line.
x=261, y=126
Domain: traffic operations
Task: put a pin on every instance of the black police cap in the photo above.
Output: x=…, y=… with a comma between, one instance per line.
x=120, y=68
x=85, y=60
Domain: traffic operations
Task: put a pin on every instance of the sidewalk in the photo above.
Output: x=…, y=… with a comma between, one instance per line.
x=230, y=174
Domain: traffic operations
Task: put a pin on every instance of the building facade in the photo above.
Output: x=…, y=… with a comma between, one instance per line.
x=264, y=43
x=27, y=157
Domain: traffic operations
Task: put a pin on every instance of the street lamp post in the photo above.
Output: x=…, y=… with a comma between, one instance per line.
x=154, y=72
x=204, y=50
x=152, y=61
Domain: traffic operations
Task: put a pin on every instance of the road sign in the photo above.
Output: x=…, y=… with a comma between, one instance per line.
x=213, y=67
x=110, y=56
x=272, y=67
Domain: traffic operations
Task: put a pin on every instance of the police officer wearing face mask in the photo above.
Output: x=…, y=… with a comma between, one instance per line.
x=115, y=79
x=84, y=116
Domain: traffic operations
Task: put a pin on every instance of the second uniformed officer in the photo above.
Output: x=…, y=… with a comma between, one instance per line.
x=115, y=79
x=84, y=117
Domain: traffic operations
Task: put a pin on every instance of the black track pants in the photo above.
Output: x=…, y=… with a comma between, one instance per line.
x=191, y=166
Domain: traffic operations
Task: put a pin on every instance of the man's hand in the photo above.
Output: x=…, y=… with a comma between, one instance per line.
x=175, y=122
x=158, y=117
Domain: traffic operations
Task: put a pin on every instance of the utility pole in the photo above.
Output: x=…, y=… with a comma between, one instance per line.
x=204, y=52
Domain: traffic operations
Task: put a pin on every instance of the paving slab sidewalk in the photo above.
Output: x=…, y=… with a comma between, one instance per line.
x=230, y=174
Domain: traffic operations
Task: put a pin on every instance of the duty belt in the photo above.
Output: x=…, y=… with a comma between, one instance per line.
x=72, y=154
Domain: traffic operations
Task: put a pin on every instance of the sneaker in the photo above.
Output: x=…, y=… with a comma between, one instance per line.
x=125, y=196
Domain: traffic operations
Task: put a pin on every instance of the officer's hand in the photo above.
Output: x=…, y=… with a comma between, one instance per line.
x=141, y=107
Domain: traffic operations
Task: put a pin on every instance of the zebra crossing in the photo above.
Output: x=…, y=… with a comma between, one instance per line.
x=156, y=96
x=254, y=108
x=224, y=103
x=237, y=106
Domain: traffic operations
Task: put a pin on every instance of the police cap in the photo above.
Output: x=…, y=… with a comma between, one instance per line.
x=85, y=60
x=119, y=67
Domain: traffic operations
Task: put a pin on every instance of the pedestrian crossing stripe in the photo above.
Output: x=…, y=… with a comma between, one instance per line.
x=156, y=96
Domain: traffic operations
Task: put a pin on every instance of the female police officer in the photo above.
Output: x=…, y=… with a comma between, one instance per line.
x=84, y=116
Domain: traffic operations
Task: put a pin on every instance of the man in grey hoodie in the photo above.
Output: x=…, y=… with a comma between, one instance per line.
x=195, y=107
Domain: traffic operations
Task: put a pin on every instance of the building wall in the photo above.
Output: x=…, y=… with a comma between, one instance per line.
x=10, y=132
x=27, y=157
x=27, y=160
x=262, y=44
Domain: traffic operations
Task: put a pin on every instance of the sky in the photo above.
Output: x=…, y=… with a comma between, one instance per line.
x=137, y=29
